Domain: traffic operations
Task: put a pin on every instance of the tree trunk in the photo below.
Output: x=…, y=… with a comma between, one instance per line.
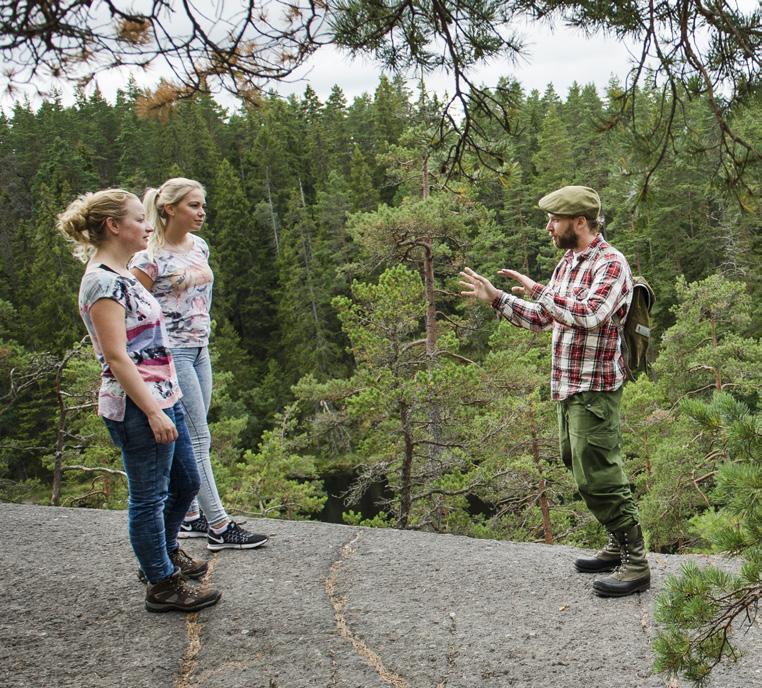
x=406, y=472
x=542, y=487
x=55, y=498
x=307, y=251
x=717, y=374
x=431, y=306
x=435, y=421
x=272, y=213
x=425, y=182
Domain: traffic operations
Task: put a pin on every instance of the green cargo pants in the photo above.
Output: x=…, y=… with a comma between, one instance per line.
x=591, y=447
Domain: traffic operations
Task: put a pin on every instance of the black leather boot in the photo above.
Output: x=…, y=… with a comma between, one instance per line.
x=633, y=574
x=606, y=559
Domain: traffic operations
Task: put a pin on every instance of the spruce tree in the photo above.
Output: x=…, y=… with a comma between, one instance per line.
x=243, y=258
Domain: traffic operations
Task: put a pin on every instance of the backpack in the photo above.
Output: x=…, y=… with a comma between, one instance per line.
x=635, y=330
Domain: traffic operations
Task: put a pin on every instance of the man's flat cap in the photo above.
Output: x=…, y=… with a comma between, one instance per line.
x=573, y=201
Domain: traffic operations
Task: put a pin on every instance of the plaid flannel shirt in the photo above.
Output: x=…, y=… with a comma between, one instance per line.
x=587, y=297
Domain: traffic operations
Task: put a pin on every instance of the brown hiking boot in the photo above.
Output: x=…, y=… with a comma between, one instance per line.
x=190, y=568
x=177, y=593
x=606, y=559
x=633, y=574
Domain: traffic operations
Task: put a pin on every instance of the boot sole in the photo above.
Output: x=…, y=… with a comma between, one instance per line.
x=161, y=607
x=642, y=587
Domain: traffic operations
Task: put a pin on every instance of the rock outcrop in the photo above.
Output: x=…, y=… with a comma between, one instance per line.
x=323, y=606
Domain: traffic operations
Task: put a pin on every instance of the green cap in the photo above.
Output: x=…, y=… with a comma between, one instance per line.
x=573, y=201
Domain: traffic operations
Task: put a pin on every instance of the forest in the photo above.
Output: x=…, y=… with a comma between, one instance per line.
x=352, y=383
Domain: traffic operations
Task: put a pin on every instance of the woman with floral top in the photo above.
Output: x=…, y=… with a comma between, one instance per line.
x=175, y=269
x=139, y=397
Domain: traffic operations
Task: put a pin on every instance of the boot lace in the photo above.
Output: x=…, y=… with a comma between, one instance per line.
x=183, y=588
x=181, y=558
x=624, y=553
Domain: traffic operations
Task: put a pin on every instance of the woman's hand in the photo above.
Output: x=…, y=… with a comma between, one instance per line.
x=477, y=286
x=164, y=430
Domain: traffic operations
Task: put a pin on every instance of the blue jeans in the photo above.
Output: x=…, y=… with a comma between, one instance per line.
x=162, y=481
x=194, y=373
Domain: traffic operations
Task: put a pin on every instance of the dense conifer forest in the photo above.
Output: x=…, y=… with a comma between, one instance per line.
x=352, y=383
x=344, y=357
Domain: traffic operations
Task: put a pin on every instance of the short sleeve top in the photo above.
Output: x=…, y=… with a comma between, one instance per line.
x=182, y=284
x=147, y=344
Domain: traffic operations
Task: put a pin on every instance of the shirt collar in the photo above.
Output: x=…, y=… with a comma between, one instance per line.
x=584, y=255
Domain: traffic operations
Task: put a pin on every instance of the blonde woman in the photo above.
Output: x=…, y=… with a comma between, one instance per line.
x=139, y=397
x=175, y=268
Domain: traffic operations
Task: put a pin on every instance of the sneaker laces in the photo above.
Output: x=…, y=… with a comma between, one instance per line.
x=236, y=533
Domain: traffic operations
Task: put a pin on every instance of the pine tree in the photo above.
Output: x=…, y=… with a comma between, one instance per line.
x=706, y=350
x=702, y=609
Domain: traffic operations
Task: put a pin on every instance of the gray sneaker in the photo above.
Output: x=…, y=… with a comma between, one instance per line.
x=176, y=593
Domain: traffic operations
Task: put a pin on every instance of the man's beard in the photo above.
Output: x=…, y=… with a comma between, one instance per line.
x=567, y=237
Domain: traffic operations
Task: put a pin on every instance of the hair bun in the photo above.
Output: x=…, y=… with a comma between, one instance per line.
x=83, y=222
x=73, y=221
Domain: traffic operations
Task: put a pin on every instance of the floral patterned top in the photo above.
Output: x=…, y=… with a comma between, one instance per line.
x=182, y=284
x=146, y=339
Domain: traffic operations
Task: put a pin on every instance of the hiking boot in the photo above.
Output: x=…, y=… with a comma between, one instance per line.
x=190, y=568
x=633, y=574
x=234, y=537
x=606, y=559
x=194, y=529
x=177, y=593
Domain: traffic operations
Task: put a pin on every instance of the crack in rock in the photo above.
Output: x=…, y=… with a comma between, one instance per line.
x=338, y=603
x=452, y=652
x=189, y=662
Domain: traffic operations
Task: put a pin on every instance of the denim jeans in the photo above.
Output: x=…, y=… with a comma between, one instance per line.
x=162, y=481
x=194, y=373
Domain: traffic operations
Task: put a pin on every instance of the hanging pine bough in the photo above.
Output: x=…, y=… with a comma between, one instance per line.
x=686, y=48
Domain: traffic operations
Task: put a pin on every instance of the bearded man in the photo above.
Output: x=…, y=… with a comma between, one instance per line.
x=584, y=304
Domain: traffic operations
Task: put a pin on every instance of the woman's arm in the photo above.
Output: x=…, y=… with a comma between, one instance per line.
x=141, y=277
x=108, y=320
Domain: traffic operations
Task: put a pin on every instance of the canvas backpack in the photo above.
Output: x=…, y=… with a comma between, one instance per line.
x=635, y=330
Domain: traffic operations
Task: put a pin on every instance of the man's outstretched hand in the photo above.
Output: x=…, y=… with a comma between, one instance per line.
x=479, y=287
x=527, y=283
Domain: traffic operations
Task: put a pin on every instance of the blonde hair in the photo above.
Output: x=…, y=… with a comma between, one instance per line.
x=155, y=201
x=84, y=220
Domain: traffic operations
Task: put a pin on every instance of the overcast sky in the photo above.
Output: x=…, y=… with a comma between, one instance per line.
x=559, y=56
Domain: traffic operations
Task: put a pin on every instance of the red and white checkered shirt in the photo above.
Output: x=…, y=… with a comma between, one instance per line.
x=587, y=291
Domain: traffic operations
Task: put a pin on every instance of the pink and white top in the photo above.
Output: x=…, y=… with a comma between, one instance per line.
x=182, y=284
x=147, y=343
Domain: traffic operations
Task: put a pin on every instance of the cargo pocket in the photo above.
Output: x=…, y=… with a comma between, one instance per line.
x=598, y=419
x=597, y=407
x=603, y=440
